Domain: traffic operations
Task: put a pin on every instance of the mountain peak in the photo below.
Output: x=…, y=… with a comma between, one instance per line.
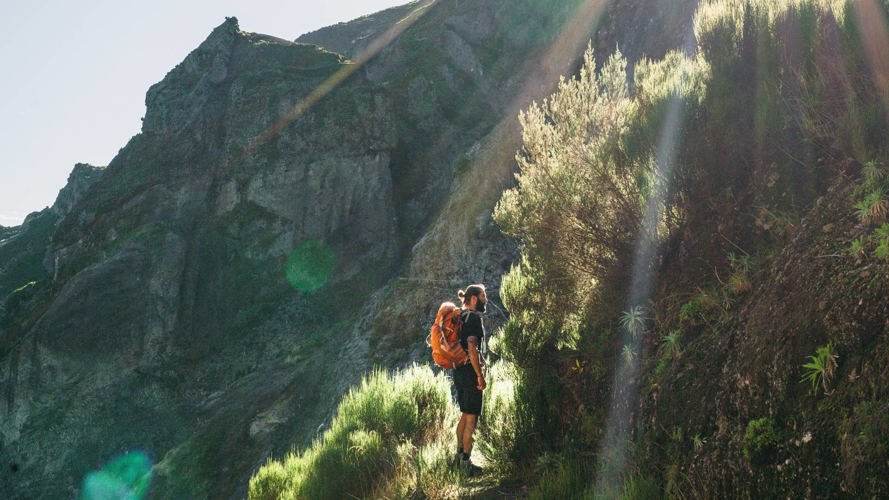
x=79, y=180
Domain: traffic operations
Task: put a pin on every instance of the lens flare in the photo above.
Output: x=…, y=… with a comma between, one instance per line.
x=613, y=448
x=310, y=266
x=125, y=477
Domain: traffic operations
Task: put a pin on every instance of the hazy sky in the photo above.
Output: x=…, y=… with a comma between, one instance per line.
x=73, y=75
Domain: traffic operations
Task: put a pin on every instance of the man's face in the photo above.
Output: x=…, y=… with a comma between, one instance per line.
x=477, y=299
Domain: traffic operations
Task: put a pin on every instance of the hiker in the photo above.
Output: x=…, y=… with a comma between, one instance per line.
x=469, y=378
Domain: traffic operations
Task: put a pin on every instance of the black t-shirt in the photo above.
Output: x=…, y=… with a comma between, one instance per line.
x=472, y=328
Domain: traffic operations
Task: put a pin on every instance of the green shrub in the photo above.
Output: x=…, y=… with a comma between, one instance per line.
x=864, y=446
x=628, y=354
x=436, y=476
x=760, y=439
x=882, y=236
x=882, y=250
x=691, y=310
x=565, y=478
x=700, y=307
x=533, y=324
x=271, y=482
x=771, y=110
x=857, y=248
x=739, y=281
x=638, y=487
x=872, y=209
x=672, y=344
x=697, y=442
x=506, y=429
x=382, y=431
x=587, y=166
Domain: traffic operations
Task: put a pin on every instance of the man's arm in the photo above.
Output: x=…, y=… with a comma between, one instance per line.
x=476, y=365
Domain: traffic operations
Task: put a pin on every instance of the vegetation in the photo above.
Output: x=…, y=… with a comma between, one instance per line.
x=760, y=438
x=873, y=207
x=821, y=367
x=671, y=344
x=564, y=479
x=748, y=165
x=503, y=431
x=750, y=161
x=391, y=436
x=633, y=321
x=21, y=253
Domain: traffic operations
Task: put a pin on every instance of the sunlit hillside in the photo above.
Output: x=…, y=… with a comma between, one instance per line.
x=680, y=210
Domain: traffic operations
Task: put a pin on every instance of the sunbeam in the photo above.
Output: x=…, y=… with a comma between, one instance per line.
x=537, y=77
x=542, y=74
x=612, y=454
x=874, y=34
x=337, y=78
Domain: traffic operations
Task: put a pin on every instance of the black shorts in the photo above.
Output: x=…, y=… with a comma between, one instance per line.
x=469, y=398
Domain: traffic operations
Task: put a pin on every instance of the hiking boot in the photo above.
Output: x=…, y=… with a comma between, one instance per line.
x=470, y=468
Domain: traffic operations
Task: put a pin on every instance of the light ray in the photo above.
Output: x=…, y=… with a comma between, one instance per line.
x=337, y=78
x=538, y=77
x=612, y=454
x=541, y=76
x=874, y=32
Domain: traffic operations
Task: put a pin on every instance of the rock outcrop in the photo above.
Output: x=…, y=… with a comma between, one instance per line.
x=79, y=181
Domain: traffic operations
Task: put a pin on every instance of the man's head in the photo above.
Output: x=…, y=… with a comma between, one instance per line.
x=474, y=298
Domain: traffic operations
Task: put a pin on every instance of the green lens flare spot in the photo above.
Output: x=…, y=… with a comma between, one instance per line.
x=125, y=477
x=310, y=266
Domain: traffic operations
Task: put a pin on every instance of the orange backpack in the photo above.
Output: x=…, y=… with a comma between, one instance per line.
x=444, y=338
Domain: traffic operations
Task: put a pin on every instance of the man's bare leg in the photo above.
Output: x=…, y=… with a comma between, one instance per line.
x=468, y=428
x=461, y=426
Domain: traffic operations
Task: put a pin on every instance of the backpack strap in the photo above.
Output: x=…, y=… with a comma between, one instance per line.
x=464, y=314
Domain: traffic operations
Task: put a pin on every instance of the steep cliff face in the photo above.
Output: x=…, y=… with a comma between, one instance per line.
x=160, y=316
x=166, y=268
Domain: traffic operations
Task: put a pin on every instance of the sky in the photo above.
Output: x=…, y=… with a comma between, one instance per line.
x=74, y=75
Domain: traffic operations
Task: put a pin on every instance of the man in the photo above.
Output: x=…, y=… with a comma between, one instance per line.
x=469, y=379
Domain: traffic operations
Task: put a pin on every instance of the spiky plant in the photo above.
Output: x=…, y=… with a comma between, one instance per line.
x=633, y=320
x=629, y=354
x=739, y=262
x=820, y=370
x=697, y=441
x=857, y=248
x=671, y=344
x=872, y=210
x=882, y=250
x=873, y=172
x=739, y=283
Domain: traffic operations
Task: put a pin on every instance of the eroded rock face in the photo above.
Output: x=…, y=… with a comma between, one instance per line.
x=176, y=253
x=79, y=180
